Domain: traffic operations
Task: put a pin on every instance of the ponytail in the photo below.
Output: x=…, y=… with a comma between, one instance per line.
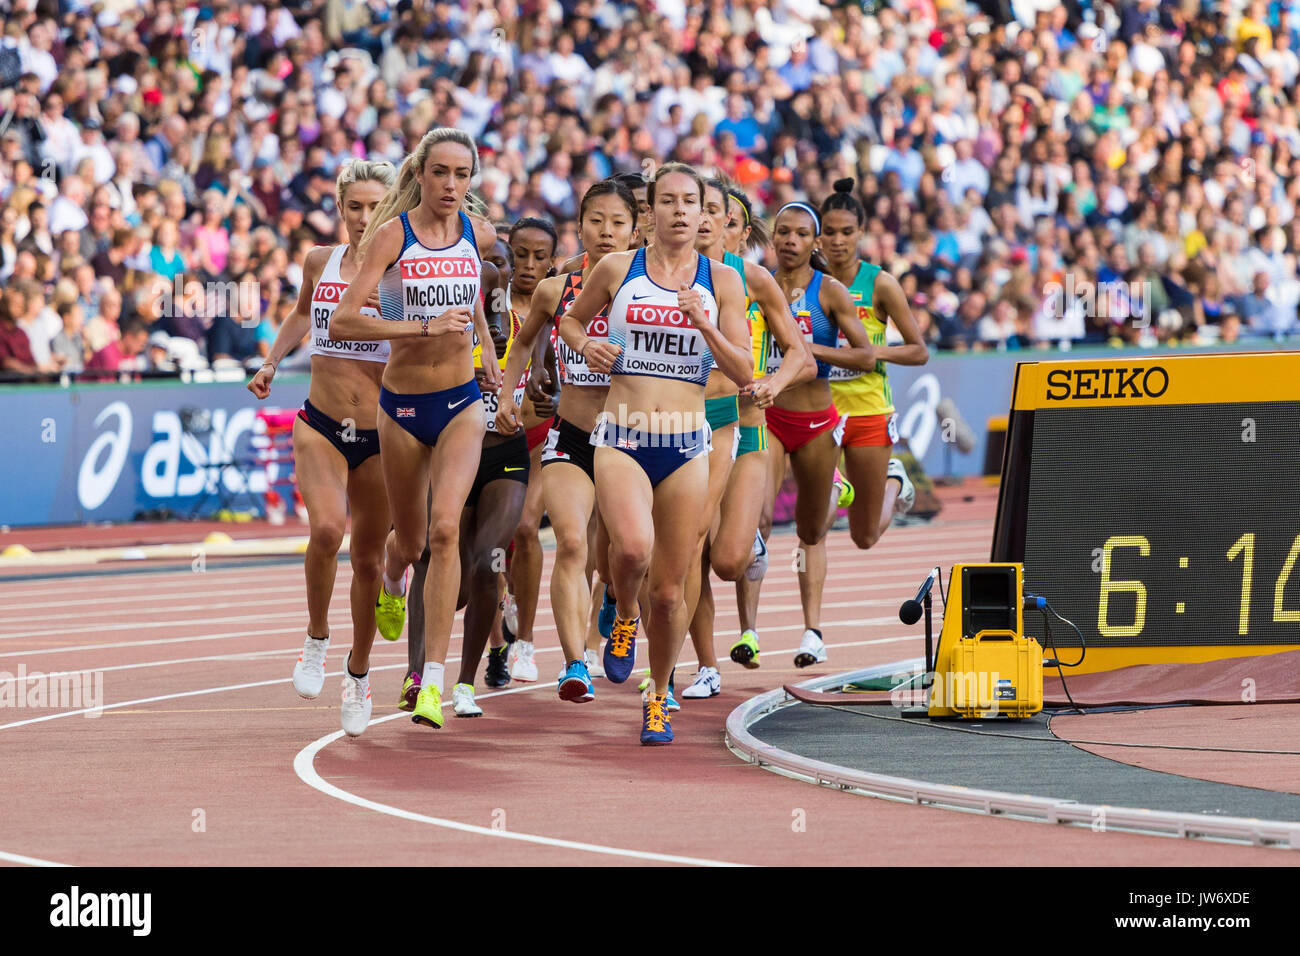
x=405, y=194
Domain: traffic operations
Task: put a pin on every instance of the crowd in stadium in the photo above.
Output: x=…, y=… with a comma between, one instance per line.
x=1036, y=173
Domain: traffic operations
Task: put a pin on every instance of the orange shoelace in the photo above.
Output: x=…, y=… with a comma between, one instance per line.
x=656, y=719
x=622, y=636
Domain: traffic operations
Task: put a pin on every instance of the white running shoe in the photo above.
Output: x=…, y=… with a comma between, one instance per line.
x=907, y=493
x=356, y=704
x=462, y=701
x=309, y=672
x=708, y=683
x=757, y=567
x=811, y=650
x=523, y=668
x=509, y=617
x=594, y=667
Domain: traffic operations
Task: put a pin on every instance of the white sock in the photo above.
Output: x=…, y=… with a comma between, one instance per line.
x=432, y=676
x=395, y=588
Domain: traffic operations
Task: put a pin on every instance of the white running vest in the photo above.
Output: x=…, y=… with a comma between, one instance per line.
x=324, y=300
x=656, y=338
x=424, y=283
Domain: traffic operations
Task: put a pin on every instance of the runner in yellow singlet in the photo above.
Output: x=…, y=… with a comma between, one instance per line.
x=868, y=426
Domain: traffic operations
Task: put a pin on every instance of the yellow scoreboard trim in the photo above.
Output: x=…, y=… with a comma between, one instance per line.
x=1207, y=378
x=1112, y=658
x=1202, y=379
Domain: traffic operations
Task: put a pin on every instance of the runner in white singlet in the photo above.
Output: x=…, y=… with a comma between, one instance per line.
x=336, y=447
x=421, y=251
x=672, y=314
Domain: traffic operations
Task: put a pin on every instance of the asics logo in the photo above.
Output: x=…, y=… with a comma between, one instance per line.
x=451, y=405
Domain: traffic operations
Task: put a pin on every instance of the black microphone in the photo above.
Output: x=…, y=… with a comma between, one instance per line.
x=910, y=612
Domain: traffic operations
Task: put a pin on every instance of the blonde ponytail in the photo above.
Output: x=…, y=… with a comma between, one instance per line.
x=404, y=195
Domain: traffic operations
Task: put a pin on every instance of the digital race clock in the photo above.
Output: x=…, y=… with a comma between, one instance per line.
x=1156, y=502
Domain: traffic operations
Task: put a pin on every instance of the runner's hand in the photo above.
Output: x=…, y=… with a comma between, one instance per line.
x=508, y=421
x=539, y=386
x=260, y=385
x=761, y=392
x=692, y=306
x=457, y=319
x=601, y=356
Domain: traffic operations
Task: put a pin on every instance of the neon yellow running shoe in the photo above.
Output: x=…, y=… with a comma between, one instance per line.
x=846, y=490
x=410, y=692
x=645, y=681
x=428, y=707
x=390, y=614
x=745, y=650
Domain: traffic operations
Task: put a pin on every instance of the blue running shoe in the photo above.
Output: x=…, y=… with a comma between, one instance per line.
x=608, y=611
x=670, y=702
x=655, y=727
x=620, y=650
x=575, y=684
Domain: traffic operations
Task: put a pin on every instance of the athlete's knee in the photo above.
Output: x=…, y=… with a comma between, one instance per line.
x=666, y=597
x=730, y=566
x=630, y=554
x=810, y=531
x=864, y=537
x=327, y=535
x=444, y=533
x=484, y=566
x=571, y=545
x=366, y=566
x=526, y=539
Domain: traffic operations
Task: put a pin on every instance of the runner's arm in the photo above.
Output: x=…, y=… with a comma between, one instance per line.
x=838, y=304
x=890, y=295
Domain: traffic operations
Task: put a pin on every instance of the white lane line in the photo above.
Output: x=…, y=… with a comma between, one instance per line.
x=254, y=656
x=888, y=581
x=133, y=601
x=140, y=626
x=228, y=635
x=304, y=767
x=916, y=536
x=329, y=788
x=28, y=860
x=144, y=581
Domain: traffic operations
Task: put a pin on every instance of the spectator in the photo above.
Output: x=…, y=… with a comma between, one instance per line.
x=125, y=354
x=15, y=348
x=70, y=346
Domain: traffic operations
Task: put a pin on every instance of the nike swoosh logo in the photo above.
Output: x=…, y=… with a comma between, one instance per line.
x=638, y=298
x=511, y=469
x=819, y=424
x=461, y=402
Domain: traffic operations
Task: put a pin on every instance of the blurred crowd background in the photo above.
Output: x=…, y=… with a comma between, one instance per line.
x=1036, y=173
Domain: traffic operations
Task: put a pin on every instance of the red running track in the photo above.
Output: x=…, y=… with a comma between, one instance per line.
x=193, y=762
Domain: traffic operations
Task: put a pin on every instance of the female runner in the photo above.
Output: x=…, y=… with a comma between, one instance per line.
x=499, y=275
x=801, y=424
x=532, y=244
x=421, y=250
x=336, y=447
x=738, y=476
x=607, y=218
x=672, y=314
x=868, y=428
x=604, y=613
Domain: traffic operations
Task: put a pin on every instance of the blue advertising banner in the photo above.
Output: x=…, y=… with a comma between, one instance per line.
x=105, y=452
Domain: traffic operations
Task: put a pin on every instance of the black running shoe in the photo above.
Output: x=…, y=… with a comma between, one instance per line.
x=497, y=674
